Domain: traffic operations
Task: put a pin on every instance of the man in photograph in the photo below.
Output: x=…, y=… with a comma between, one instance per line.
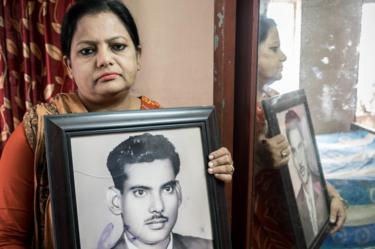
x=147, y=195
x=309, y=194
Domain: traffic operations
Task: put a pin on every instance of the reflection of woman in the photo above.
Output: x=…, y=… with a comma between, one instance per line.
x=270, y=211
x=101, y=50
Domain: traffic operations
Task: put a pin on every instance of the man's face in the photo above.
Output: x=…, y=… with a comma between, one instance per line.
x=150, y=201
x=298, y=153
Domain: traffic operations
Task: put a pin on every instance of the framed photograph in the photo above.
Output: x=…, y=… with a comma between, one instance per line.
x=125, y=179
x=303, y=180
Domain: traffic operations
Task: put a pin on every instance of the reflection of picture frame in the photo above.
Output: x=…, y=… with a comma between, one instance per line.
x=84, y=214
x=303, y=180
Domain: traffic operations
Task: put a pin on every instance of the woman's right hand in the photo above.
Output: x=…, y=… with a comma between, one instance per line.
x=278, y=150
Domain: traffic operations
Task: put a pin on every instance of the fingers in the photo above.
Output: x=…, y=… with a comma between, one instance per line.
x=338, y=214
x=279, y=149
x=223, y=160
x=278, y=142
x=219, y=157
x=333, y=217
x=333, y=213
x=278, y=139
x=221, y=164
x=280, y=161
x=224, y=169
x=339, y=224
x=219, y=153
x=224, y=177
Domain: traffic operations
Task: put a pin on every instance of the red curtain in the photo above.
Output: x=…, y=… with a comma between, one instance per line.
x=31, y=67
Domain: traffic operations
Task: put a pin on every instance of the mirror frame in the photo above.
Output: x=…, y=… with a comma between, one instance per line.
x=244, y=120
x=224, y=56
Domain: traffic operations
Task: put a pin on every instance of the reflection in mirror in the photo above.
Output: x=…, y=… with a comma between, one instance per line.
x=325, y=47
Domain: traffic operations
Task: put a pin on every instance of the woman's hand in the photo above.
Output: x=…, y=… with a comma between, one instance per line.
x=221, y=164
x=278, y=150
x=337, y=213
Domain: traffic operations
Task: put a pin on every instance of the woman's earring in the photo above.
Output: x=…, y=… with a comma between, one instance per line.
x=70, y=74
x=66, y=62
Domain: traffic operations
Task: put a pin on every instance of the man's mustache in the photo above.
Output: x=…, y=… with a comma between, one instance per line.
x=156, y=218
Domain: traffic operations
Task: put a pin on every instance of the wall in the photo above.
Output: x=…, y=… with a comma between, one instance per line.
x=177, y=50
x=329, y=58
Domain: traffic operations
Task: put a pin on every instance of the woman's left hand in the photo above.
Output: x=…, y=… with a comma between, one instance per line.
x=337, y=214
x=221, y=164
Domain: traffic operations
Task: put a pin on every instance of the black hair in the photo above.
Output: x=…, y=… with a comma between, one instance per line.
x=89, y=7
x=140, y=149
x=265, y=24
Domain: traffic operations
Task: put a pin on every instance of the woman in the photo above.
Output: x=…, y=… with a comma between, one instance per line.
x=270, y=211
x=101, y=48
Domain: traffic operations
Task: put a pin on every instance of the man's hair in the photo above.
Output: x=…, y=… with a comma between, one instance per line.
x=292, y=120
x=140, y=149
x=83, y=8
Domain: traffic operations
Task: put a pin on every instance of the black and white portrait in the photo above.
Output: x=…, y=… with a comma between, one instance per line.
x=142, y=189
x=304, y=171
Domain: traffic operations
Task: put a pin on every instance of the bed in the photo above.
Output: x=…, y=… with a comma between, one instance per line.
x=348, y=161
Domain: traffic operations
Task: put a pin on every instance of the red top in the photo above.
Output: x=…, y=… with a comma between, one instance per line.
x=17, y=188
x=271, y=225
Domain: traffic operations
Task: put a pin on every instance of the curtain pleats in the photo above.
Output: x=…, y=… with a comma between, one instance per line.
x=31, y=66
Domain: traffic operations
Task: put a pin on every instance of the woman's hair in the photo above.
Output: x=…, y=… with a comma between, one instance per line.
x=265, y=24
x=89, y=7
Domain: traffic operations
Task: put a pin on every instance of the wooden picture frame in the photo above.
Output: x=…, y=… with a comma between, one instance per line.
x=289, y=115
x=77, y=147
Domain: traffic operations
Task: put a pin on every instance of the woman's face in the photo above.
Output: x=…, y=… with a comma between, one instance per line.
x=103, y=59
x=270, y=58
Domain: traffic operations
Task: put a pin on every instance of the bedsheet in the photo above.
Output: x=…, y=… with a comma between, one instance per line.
x=348, y=155
x=348, y=162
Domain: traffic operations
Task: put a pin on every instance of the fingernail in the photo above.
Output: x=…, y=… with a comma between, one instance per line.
x=211, y=157
x=210, y=164
x=332, y=220
x=210, y=171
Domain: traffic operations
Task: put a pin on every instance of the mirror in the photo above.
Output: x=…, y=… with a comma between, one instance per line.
x=329, y=52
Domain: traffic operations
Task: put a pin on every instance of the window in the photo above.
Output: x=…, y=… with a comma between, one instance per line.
x=366, y=70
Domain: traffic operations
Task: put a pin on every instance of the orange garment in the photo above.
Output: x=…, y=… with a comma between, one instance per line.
x=16, y=192
x=271, y=224
x=20, y=180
